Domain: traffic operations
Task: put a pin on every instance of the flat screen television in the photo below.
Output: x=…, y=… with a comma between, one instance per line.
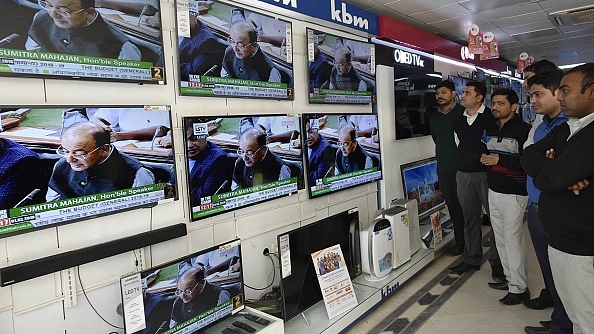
x=67, y=164
x=236, y=161
x=186, y=295
x=342, y=151
x=341, y=70
x=299, y=282
x=231, y=51
x=107, y=40
x=460, y=83
x=420, y=182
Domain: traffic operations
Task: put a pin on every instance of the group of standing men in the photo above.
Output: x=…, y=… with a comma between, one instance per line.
x=489, y=158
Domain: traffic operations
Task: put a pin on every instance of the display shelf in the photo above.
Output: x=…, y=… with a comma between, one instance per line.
x=369, y=295
x=447, y=230
x=274, y=327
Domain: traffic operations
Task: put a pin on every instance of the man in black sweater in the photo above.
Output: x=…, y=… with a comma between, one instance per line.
x=562, y=164
x=507, y=192
x=471, y=177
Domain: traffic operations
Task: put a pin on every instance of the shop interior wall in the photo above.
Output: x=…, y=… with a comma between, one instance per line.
x=37, y=305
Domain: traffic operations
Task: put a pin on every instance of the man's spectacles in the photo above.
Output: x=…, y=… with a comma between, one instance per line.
x=65, y=153
x=341, y=64
x=345, y=144
x=62, y=12
x=187, y=291
x=239, y=45
x=250, y=155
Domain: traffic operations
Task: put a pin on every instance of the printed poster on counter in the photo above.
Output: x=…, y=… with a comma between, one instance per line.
x=335, y=283
x=437, y=230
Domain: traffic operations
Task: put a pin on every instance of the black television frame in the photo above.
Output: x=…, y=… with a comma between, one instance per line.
x=200, y=84
x=423, y=213
x=76, y=209
x=237, y=301
x=324, y=94
x=323, y=186
x=51, y=65
x=295, y=165
x=299, y=251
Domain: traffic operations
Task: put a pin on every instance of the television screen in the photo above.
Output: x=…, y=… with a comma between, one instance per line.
x=341, y=70
x=420, y=182
x=460, y=83
x=299, y=282
x=96, y=40
x=186, y=295
x=234, y=52
x=65, y=164
x=235, y=161
x=342, y=151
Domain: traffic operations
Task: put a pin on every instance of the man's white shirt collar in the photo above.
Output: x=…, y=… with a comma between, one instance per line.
x=576, y=124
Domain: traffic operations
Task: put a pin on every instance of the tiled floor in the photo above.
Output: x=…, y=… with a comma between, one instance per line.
x=455, y=304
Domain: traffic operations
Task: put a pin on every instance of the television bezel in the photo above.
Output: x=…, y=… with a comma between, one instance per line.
x=310, y=91
x=354, y=271
x=416, y=164
x=102, y=214
x=290, y=85
x=160, y=78
x=305, y=152
x=152, y=269
x=300, y=185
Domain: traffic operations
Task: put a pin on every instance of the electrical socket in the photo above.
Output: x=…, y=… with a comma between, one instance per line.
x=266, y=251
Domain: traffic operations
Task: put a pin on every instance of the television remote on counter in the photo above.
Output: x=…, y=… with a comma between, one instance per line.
x=259, y=320
x=245, y=326
x=230, y=330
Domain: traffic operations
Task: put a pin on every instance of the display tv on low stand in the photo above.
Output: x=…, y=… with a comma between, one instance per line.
x=73, y=163
x=186, y=295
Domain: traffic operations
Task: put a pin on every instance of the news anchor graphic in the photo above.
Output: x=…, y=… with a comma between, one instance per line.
x=62, y=165
x=116, y=40
x=341, y=70
x=234, y=52
x=235, y=161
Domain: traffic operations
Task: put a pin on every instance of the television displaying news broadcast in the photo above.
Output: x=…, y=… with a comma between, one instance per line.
x=67, y=164
x=236, y=161
x=186, y=295
x=113, y=40
x=341, y=70
x=342, y=151
x=231, y=51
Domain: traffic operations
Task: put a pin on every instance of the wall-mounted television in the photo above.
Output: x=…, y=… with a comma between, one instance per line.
x=299, y=282
x=460, y=83
x=66, y=164
x=96, y=40
x=235, y=52
x=342, y=151
x=186, y=295
x=236, y=161
x=420, y=182
x=341, y=70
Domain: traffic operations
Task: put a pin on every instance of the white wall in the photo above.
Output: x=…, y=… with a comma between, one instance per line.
x=36, y=306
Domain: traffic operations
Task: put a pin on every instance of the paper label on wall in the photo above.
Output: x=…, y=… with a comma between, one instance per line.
x=311, y=53
x=133, y=303
x=437, y=231
x=183, y=17
x=288, y=43
x=285, y=255
x=334, y=280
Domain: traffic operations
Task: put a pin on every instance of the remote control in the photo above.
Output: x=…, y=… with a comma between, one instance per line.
x=245, y=326
x=230, y=330
x=259, y=320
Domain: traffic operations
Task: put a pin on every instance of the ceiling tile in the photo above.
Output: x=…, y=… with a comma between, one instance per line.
x=529, y=27
x=552, y=6
x=477, y=6
x=509, y=11
x=539, y=36
x=521, y=20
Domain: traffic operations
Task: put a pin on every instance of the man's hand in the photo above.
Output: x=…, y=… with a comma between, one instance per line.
x=582, y=184
x=550, y=153
x=489, y=159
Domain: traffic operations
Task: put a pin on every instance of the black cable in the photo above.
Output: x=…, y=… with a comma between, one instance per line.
x=93, y=307
x=273, y=276
x=136, y=263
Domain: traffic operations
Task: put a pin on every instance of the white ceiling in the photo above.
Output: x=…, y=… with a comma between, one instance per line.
x=519, y=25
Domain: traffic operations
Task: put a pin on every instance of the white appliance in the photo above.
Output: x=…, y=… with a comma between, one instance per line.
x=398, y=217
x=413, y=222
x=377, y=247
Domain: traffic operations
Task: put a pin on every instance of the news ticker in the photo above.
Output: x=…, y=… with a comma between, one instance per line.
x=346, y=180
x=215, y=86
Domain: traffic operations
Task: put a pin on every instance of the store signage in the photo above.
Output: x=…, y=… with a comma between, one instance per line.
x=465, y=53
x=335, y=11
x=407, y=58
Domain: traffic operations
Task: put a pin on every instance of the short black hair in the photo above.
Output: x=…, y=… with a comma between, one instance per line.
x=510, y=95
x=548, y=79
x=447, y=84
x=588, y=71
x=541, y=66
x=479, y=88
x=87, y=4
